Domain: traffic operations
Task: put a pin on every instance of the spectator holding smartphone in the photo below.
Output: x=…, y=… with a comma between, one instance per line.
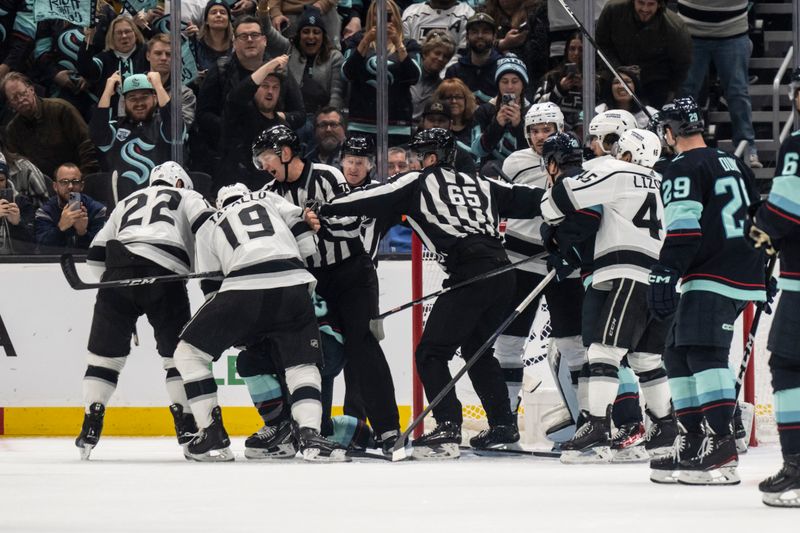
x=61, y=223
x=564, y=84
x=16, y=217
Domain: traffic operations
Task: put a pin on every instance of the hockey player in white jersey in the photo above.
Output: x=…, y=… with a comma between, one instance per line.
x=605, y=130
x=149, y=233
x=259, y=241
x=624, y=195
x=523, y=240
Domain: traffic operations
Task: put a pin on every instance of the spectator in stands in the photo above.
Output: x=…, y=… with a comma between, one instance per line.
x=314, y=63
x=613, y=95
x=141, y=139
x=462, y=103
x=286, y=14
x=477, y=63
x=63, y=225
x=252, y=107
x=500, y=122
x=522, y=29
x=16, y=217
x=249, y=48
x=719, y=35
x=159, y=54
x=437, y=115
x=646, y=33
x=18, y=36
x=398, y=160
x=451, y=15
x=25, y=177
x=437, y=50
x=564, y=84
x=329, y=134
x=404, y=71
x=47, y=131
x=214, y=42
x=123, y=51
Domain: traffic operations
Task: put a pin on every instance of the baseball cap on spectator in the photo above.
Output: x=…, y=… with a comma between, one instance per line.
x=513, y=65
x=482, y=18
x=136, y=82
x=213, y=3
x=437, y=108
x=311, y=16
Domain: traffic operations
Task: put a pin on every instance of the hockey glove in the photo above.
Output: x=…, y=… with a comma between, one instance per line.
x=662, y=298
x=755, y=236
x=549, y=238
x=564, y=262
x=772, y=292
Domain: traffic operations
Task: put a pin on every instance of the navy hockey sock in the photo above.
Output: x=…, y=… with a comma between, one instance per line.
x=626, y=408
x=717, y=387
x=265, y=391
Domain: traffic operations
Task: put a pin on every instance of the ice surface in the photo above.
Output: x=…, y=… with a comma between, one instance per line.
x=144, y=485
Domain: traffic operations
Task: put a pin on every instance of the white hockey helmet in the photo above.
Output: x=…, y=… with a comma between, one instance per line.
x=644, y=147
x=616, y=121
x=543, y=113
x=230, y=193
x=169, y=173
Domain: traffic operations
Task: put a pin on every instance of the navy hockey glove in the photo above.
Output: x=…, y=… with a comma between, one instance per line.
x=548, y=233
x=662, y=298
x=564, y=262
x=772, y=292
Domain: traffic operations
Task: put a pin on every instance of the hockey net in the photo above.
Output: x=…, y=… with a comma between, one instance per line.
x=427, y=277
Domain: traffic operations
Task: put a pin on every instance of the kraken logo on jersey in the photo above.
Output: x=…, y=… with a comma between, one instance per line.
x=68, y=44
x=372, y=68
x=133, y=153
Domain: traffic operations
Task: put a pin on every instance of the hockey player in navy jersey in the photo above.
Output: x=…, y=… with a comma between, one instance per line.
x=706, y=193
x=149, y=233
x=775, y=225
x=618, y=202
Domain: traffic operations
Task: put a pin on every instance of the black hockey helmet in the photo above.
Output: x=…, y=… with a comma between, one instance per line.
x=794, y=83
x=438, y=141
x=274, y=139
x=682, y=116
x=564, y=149
x=358, y=145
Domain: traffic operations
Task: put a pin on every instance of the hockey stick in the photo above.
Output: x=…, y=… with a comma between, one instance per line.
x=74, y=280
x=376, y=324
x=399, y=450
x=603, y=57
x=751, y=335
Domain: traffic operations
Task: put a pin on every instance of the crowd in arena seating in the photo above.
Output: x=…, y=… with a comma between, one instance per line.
x=80, y=104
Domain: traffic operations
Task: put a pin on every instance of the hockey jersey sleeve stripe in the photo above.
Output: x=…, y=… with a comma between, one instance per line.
x=201, y=220
x=781, y=210
x=785, y=193
x=299, y=229
x=270, y=267
x=591, y=212
x=682, y=215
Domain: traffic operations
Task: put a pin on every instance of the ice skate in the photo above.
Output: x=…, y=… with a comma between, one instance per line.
x=211, y=444
x=91, y=430
x=783, y=489
x=591, y=443
x=666, y=467
x=714, y=464
x=628, y=444
x=386, y=441
x=316, y=448
x=185, y=426
x=271, y=442
x=500, y=437
x=661, y=435
x=441, y=443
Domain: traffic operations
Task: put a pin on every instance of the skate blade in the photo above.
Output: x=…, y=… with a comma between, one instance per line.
x=658, y=453
x=85, y=451
x=632, y=454
x=314, y=455
x=212, y=456
x=666, y=477
x=789, y=498
x=501, y=447
x=286, y=451
x=441, y=451
x=725, y=475
x=598, y=454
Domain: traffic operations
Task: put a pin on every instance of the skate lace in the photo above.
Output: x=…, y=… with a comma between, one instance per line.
x=677, y=447
x=266, y=432
x=583, y=430
x=706, y=447
x=651, y=432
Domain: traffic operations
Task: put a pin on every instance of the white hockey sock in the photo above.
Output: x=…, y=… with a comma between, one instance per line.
x=603, y=381
x=175, y=388
x=201, y=389
x=508, y=351
x=100, y=380
x=574, y=353
x=653, y=381
x=304, y=383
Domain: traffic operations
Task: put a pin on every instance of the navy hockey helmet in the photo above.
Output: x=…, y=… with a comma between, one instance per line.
x=682, y=116
x=275, y=138
x=563, y=149
x=438, y=141
x=358, y=145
